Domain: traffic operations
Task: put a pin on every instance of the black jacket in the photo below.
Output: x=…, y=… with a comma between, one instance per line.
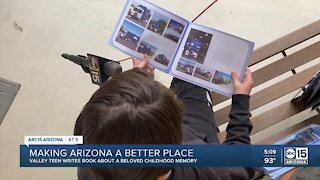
x=238, y=132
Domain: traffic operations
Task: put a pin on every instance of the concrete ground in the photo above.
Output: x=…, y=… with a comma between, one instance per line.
x=33, y=34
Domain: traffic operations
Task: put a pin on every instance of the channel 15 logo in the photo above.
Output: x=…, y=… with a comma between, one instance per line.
x=296, y=156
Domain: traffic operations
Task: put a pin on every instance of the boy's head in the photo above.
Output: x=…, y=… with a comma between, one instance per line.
x=131, y=108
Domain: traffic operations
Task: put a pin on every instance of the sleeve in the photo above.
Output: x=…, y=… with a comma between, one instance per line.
x=77, y=131
x=239, y=127
x=198, y=121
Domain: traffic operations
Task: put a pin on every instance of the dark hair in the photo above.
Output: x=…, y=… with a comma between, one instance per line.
x=131, y=108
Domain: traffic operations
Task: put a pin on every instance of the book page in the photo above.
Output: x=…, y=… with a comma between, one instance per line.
x=207, y=57
x=145, y=28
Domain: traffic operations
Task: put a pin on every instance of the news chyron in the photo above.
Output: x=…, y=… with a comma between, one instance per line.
x=69, y=151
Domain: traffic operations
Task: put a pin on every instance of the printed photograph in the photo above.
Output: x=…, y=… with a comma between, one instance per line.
x=222, y=79
x=304, y=137
x=139, y=14
x=146, y=48
x=129, y=35
x=162, y=59
x=171, y=35
x=185, y=66
x=176, y=26
x=197, y=46
x=203, y=73
x=158, y=23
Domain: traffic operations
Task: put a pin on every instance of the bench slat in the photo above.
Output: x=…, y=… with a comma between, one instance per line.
x=270, y=117
x=271, y=93
x=279, y=67
x=218, y=98
x=286, y=64
x=274, y=138
x=285, y=42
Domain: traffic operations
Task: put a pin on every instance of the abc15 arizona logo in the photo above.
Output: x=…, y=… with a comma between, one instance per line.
x=296, y=156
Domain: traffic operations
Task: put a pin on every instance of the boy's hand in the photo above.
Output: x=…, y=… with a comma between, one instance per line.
x=245, y=86
x=143, y=64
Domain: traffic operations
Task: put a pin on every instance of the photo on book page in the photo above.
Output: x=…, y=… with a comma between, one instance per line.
x=174, y=31
x=129, y=35
x=148, y=49
x=222, y=79
x=197, y=46
x=185, y=66
x=203, y=73
x=158, y=23
x=139, y=14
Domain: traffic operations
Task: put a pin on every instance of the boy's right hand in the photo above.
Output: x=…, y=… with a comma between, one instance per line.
x=143, y=64
x=245, y=86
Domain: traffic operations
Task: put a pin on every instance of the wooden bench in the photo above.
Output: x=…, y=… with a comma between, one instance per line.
x=281, y=109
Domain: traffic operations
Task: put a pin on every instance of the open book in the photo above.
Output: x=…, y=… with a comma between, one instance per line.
x=188, y=51
x=309, y=135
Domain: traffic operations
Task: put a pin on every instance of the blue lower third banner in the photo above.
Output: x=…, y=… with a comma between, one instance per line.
x=168, y=155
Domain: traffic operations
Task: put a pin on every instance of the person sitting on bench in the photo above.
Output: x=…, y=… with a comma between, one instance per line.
x=133, y=108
